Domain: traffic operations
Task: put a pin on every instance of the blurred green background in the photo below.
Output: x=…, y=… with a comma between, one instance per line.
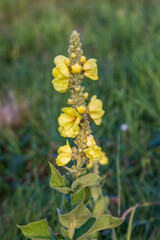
x=124, y=36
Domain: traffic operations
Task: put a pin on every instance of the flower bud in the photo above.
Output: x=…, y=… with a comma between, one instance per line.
x=76, y=68
x=70, y=101
x=86, y=95
x=73, y=55
x=77, y=89
x=67, y=61
x=83, y=59
x=81, y=109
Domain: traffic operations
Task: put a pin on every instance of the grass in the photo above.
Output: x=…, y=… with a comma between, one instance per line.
x=124, y=37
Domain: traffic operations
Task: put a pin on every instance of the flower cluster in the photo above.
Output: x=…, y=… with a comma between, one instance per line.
x=74, y=122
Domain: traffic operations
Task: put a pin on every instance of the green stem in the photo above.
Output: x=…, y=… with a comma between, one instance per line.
x=118, y=177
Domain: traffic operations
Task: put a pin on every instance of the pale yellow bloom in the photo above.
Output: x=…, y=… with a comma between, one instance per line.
x=86, y=95
x=83, y=59
x=93, y=152
x=90, y=69
x=81, y=109
x=69, y=122
x=60, y=59
x=104, y=159
x=90, y=141
x=95, y=110
x=76, y=68
x=64, y=154
x=90, y=164
x=61, y=74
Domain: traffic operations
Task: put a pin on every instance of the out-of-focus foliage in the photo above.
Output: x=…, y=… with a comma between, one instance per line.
x=124, y=36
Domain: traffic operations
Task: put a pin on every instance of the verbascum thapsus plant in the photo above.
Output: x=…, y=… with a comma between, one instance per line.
x=76, y=219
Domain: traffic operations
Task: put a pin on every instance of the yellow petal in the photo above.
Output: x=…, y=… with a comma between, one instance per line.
x=63, y=159
x=55, y=72
x=90, y=164
x=63, y=69
x=93, y=152
x=60, y=59
x=95, y=110
x=65, y=149
x=61, y=85
x=104, y=159
x=89, y=64
x=90, y=141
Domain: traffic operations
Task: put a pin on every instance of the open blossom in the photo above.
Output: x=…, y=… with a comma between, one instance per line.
x=69, y=122
x=64, y=154
x=95, y=110
x=90, y=141
x=93, y=152
x=103, y=160
x=61, y=74
x=90, y=69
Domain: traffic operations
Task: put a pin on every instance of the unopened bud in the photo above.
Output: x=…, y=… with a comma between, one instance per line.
x=73, y=55
x=70, y=101
x=83, y=59
x=67, y=61
x=76, y=68
x=81, y=109
x=86, y=95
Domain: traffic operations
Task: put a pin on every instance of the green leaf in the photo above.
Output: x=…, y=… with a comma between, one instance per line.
x=104, y=222
x=37, y=230
x=77, y=217
x=58, y=182
x=88, y=180
x=65, y=233
x=85, y=227
x=83, y=195
x=99, y=207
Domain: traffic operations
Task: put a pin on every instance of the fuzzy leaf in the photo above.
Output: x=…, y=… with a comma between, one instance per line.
x=37, y=230
x=65, y=233
x=83, y=195
x=90, y=179
x=59, y=182
x=104, y=222
x=77, y=217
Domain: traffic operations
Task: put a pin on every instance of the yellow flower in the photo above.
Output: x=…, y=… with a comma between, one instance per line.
x=61, y=74
x=76, y=68
x=65, y=154
x=90, y=141
x=81, y=109
x=104, y=159
x=93, y=152
x=95, y=110
x=90, y=164
x=69, y=122
x=90, y=69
